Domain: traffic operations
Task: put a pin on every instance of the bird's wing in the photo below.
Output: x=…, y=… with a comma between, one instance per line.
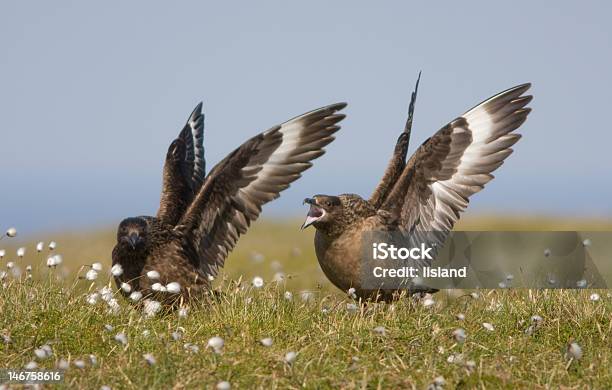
x=456, y=163
x=254, y=174
x=398, y=159
x=183, y=170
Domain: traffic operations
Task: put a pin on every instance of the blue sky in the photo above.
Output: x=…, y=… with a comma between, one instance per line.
x=92, y=94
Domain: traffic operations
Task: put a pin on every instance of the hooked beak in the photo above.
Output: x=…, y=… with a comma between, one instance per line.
x=315, y=213
x=133, y=240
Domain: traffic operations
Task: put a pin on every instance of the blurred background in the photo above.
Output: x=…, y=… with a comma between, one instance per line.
x=92, y=95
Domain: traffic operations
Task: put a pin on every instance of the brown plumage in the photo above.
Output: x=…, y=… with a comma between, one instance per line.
x=200, y=218
x=421, y=196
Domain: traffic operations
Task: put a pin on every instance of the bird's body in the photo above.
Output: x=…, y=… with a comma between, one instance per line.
x=175, y=254
x=421, y=198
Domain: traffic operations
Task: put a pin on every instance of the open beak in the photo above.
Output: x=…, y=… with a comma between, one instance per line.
x=315, y=213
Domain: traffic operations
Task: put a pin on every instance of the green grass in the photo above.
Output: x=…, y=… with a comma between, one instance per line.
x=336, y=347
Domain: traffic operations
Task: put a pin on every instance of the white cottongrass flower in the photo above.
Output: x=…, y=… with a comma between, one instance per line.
x=474, y=295
x=113, y=306
x=109, y=327
x=146, y=333
x=105, y=387
x=210, y=278
x=257, y=257
x=106, y=293
x=351, y=293
x=93, y=359
x=428, y=302
x=158, y=287
x=536, y=319
x=380, y=330
x=10, y=265
x=117, y=270
x=581, y=283
x=28, y=268
x=51, y=261
x=266, y=342
x=547, y=252
x=3, y=275
x=470, y=365
x=151, y=307
x=96, y=266
x=257, y=282
x=92, y=298
x=574, y=351
x=79, y=363
x=224, y=385
x=135, y=296
x=176, y=336
x=31, y=366
x=126, y=287
x=594, y=297
x=91, y=274
x=153, y=275
x=173, y=287
x=587, y=242
x=306, y=296
x=52, y=245
x=182, y=312
x=2, y=253
x=150, y=359
x=460, y=317
x=121, y=338
x=351, y=307
x=40, y=246
x=189, y=347
x=216, y=343
x=288, y=295
x=63, y=364
x=279, y=277
x=21, y=252
x=488, y=326
x=11, y=232
x=290, y=357
x=459, y=335
x=43, y=352
x=276, y=265
x=6, y=339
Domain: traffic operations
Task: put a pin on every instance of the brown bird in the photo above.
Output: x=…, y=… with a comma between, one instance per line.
x=425, y=194
x=200, y=218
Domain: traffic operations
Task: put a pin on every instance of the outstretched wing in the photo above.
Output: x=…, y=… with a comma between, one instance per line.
x=183, y=169
x=456, y=163
x=254, y=174
x=398, y=160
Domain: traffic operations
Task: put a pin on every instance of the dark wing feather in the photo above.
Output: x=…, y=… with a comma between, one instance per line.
x=183, y=169
x=398, y=160
x=254, y=174
x=456, y=163
x=194, y=165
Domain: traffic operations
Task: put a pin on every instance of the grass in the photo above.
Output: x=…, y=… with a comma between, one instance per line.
x=338, y=345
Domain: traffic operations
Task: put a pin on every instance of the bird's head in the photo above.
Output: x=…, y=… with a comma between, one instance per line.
x=323, y=210
x=132, y=233
x=332, y=214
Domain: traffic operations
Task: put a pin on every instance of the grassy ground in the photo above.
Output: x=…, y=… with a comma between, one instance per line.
x=338, y=344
